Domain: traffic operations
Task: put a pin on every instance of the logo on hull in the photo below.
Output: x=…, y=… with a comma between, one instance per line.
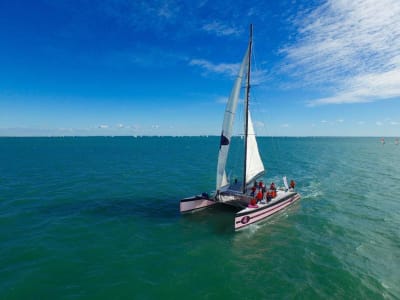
x=245, y=220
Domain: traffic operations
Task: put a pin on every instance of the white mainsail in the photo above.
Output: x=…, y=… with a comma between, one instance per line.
x=227, y=125
x=254, y=165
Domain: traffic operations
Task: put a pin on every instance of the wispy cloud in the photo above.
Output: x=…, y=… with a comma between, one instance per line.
x=226, y=69
x=103, y=126
x=259, y=124
x=221, y=29
x=142, y=15
x=167, y=10
x=352, y=45
x=209, y=67
x=221, y=100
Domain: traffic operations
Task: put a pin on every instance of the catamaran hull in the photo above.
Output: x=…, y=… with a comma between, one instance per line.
x=195, y=203
x=246, y=217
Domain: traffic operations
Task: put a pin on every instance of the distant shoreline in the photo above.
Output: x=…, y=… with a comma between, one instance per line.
x=187, y=136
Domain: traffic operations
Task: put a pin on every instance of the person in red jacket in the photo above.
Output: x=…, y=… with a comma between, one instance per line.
x=292, y=184
x=259, y=196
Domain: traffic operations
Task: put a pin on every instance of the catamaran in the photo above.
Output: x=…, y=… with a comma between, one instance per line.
x=241, y=194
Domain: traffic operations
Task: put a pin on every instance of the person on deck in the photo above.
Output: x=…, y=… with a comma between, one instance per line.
x=253, y=191
x=253, y=202
x=269, y=196
x=272, y=189
x=259, y=196
x=292, y=184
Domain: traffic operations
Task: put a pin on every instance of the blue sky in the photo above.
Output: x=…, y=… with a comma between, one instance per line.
x=119, y=67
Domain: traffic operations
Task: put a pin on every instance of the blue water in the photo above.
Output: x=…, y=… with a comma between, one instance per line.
x=98, y=218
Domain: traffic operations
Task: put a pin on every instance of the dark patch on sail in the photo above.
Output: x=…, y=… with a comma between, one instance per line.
x=224, y=141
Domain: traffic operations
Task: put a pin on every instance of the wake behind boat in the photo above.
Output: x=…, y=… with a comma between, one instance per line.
x=252, y=199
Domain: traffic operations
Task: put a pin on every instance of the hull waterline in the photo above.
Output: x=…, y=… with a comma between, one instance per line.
x=246, y=216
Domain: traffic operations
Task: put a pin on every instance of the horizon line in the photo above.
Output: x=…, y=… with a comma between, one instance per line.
x=199, y=135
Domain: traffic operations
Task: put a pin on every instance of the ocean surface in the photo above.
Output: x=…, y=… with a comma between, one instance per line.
x=98, y=218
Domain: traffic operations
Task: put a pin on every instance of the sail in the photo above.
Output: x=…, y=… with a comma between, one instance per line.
x=254, y=165
x=227, y=125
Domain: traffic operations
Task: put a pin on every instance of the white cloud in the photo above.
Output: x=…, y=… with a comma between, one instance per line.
x=259, y=124
x=222, y=100
x=166, y=11
x=225, y=69
x=340, y=120
x=230, y=70
x=352, y=45
x=394, y=123
x=285, y=125
x=378, y=123
x=103, y=126
x=366, y=88
x=156, y=126
x=360, y=122
x=221, y=29
x=324, y=121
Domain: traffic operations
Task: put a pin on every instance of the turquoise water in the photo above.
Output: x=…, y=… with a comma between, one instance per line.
x=98, y=218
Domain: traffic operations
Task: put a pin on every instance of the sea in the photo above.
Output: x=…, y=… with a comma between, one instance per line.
x=98, y=218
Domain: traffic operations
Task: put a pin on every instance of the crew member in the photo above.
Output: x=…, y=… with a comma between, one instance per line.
x=292, y=184
x=259, y=195
x=253, y=191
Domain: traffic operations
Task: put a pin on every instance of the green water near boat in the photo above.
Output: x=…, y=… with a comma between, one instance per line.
x=98, y=218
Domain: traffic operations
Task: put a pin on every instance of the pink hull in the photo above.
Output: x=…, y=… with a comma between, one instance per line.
x=194, y=203
x=256, y=215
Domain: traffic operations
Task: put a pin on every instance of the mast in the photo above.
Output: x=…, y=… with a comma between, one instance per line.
x=246, y=107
